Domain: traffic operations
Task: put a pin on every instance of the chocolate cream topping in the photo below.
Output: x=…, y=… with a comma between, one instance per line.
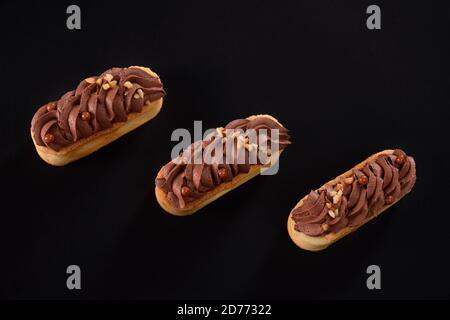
x=184, y=181
x=96, y=104
x=353, y=200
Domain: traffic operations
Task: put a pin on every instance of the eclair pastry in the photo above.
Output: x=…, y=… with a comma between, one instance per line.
x=183, y=186
x=100, y=110
x=347, y=202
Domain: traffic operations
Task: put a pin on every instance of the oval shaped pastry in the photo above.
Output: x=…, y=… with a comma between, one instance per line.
x=100, y=110
x=344, y=204
x=184, y=186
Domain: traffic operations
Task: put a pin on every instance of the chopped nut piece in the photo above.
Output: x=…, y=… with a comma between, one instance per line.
x=339, y=187
x=328, y=205
x=140, y=93
x=90, y=80
x=348, y=180
x=325, y=227
x=339, y=193
x=127, y=84
x=136, y=96
x=106, y=86
x=108, y=77
x=113, y=84
x=333, y=193
x=336, y=198
x=331, y=213
x=219, y=132
x=98, y=81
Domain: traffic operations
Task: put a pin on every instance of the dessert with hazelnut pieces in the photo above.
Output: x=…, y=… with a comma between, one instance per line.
x=100, y=110
x=185, y=185
x=344, y=204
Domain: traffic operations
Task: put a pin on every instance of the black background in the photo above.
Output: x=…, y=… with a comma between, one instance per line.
x=344, y=91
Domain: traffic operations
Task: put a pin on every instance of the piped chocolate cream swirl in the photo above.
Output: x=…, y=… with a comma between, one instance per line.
x=354, y=199
x=96, y=104
x=184, y=180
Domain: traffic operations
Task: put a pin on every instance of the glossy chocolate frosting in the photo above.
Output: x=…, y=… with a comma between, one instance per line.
x=356, y=198
x=96, y=104
x=197, y=178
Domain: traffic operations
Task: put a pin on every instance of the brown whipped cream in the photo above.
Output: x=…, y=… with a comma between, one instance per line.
x=353, y=200
x=96, y=104
x=184, y=181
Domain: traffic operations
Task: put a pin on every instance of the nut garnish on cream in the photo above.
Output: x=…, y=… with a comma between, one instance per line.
x=96, y=104
x=184, y=180
x=354, y=199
